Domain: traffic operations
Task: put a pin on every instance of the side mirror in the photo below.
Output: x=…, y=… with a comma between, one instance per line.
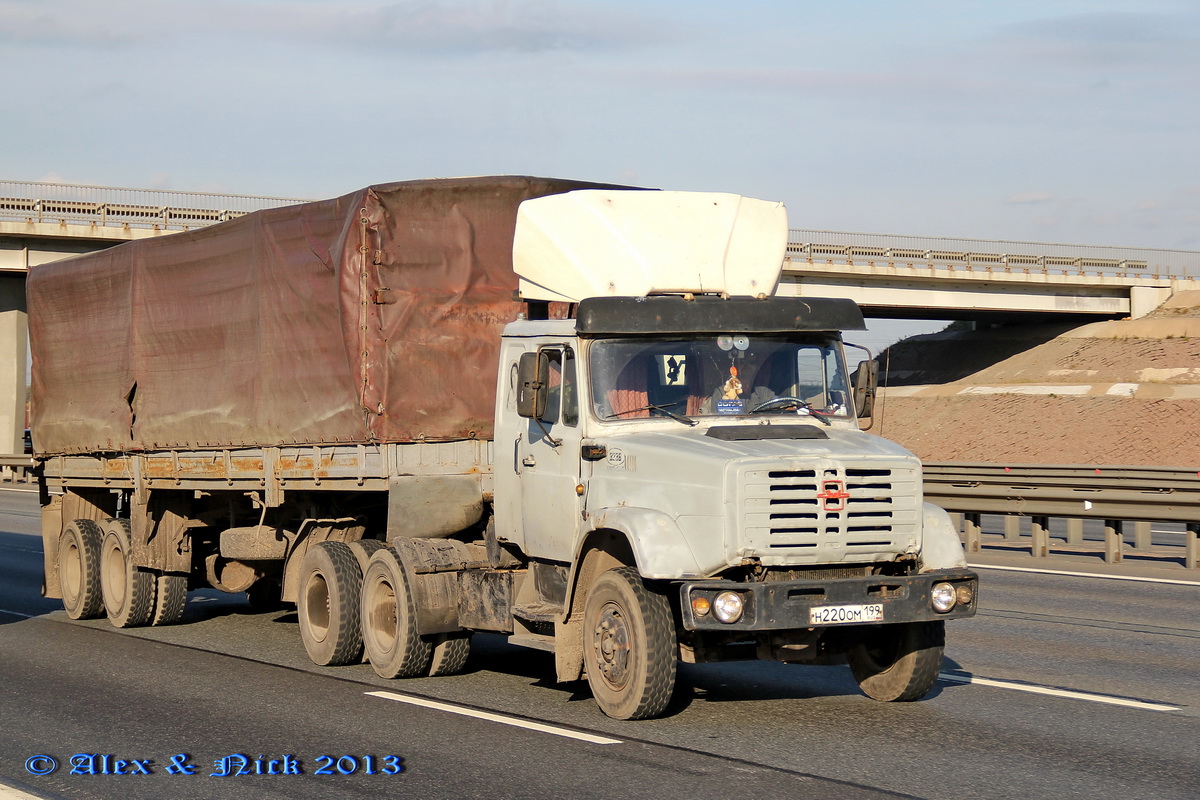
x=533, y=381
x=866, y=381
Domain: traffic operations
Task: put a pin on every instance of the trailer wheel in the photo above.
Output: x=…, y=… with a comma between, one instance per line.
x=450, y=652
x=629, y=646
x=898, y=662
x=328, y=604
x=79, y=569
x=170, y=597
x=389, y=620
x=128, y=592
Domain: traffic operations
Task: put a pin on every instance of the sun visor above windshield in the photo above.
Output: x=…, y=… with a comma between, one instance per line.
x=604, y=243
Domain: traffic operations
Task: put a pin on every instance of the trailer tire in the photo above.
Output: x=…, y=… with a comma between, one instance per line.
x=450, y=652
x=629, y=646
x=328, y=604
x=170, y=598
x=389, y=620
x=898, y=663
x=79, y=569
x=128, y=591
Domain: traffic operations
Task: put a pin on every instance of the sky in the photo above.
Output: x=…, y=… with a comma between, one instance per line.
x=1050, y=120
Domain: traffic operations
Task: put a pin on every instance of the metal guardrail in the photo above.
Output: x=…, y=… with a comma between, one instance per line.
x=132, y=208
x=995, y=256
x=1114, y=495
x=16, y=469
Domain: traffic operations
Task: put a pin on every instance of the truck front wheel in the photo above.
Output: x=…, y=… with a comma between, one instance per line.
x=629, y=646
x=898, y=662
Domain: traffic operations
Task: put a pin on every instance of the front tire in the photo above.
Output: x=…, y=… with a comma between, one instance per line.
x=629, y=646
x=898, y=663
x=79, y=569
x=328, y=605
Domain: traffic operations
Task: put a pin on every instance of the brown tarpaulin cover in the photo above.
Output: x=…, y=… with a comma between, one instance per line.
x=268, y=330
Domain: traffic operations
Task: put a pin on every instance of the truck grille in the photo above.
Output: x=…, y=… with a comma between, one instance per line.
x=828, y=512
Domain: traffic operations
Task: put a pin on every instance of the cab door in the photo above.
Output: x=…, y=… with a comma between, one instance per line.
x=549, y=463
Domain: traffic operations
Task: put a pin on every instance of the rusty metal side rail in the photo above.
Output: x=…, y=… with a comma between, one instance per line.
x=1114, y=494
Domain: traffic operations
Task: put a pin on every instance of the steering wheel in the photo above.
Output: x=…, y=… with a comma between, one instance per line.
x=781, y=402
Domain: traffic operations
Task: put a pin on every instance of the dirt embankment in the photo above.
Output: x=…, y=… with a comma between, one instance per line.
x=1111, y=393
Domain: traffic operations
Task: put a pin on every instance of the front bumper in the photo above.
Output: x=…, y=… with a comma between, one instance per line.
x=787, y=605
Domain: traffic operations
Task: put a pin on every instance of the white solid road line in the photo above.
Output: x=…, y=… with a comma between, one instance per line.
x=1033, y=689
x=9, y=793
x=16, y=613
x=1085, y=574
x=501, y=718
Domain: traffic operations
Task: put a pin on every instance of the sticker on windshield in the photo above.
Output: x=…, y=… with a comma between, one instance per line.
x=729, y=406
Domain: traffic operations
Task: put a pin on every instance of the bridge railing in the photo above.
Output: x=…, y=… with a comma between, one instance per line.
x=133, y=208
x=877, y=249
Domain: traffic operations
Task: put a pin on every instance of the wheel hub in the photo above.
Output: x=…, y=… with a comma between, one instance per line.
x=610, y=641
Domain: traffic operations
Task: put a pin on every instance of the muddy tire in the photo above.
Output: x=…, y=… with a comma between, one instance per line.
x=79, y=569
x=389, y=620
x=898, y=663
x=328, y=604
x=170, y=597
x=450, y=652
x=363, y=549
x=128, y=592
x=629, y=646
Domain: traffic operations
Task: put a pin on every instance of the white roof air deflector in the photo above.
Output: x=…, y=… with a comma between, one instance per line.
x=602, y=243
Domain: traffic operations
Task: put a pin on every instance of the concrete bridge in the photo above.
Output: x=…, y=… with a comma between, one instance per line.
x=889, y=276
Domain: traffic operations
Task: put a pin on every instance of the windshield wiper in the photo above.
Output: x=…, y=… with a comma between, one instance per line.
x=662, y=409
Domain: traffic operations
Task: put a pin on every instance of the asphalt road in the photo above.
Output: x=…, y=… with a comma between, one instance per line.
x=1061, y=687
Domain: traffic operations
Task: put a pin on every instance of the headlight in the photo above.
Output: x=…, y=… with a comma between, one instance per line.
x=943, y=597
x=728, y=607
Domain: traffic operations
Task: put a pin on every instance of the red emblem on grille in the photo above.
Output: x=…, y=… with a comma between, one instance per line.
x=833, y=495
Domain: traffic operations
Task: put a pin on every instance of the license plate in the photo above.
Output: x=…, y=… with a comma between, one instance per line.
x=844, y=615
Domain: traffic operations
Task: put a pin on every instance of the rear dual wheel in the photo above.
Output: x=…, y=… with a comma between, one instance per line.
x=128, y=592
x=328, y=604
x=389, y=626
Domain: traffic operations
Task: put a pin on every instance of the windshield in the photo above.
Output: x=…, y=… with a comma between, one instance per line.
x=719, y=375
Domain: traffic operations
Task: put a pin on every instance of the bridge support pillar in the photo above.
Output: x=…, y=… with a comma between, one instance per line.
x=14, y=349
x=1144, y=299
